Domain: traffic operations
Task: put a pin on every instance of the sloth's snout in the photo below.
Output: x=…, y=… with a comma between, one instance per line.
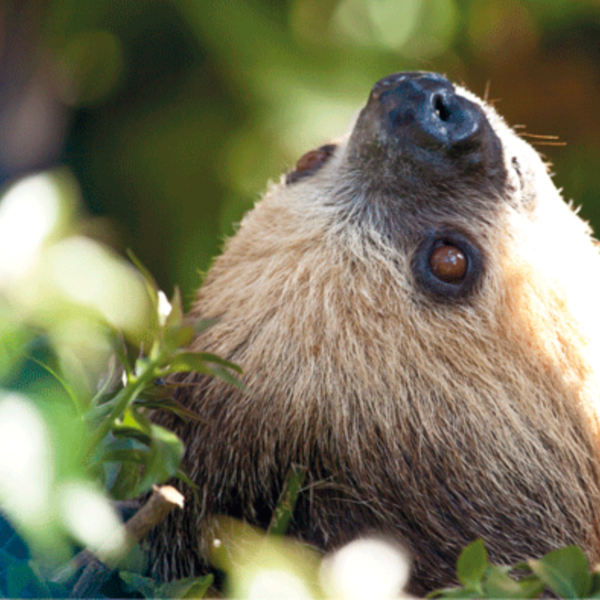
x=424, y=109
x=417, y=130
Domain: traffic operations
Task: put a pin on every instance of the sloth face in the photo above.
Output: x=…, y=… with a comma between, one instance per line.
x=433, y=172
x=415, y=311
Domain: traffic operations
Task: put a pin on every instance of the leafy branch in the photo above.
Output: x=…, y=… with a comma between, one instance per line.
x=564, y=572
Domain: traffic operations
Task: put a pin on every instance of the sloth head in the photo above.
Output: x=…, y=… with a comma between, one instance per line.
x=416, y=313
x=426, y=238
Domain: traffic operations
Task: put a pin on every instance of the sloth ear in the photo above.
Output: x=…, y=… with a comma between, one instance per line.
x=310, y=163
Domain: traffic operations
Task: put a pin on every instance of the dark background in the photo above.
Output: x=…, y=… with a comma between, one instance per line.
x=173, y=115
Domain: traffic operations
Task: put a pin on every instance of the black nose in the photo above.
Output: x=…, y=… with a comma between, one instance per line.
x=425, y=109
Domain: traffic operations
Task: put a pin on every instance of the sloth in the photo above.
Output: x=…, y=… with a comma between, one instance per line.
x=415, y=311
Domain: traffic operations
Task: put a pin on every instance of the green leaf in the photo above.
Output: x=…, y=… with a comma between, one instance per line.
x=122, y=353
x=133, y=419
x=190, y=361
x=183, y=476
x=498, y=584
x=214, y=359
x=472, y=564
x=166, y=452
x=170, y=405
x=455, y=592
x=287, y=501
x=108, y=382
x=138, y=457
x=149, y=280
x=531, y=586
x=198, y=362
x=204, y=324
x=565, y=572
x=191, y=587
x=68, y=389
x=126, y=484
x=595, y=585
x=178, y=337
x=143, y=585
x=227, y=377
x=21, y=580
x=130, y=432
x=176, y=315
x=185, y=362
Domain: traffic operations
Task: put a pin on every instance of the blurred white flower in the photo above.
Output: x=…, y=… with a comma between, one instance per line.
x=92, y=520
x=86, y=273
x=29, y=213
x=367, y=568
x=164, y=307
x=267, y=584
x=26, y=467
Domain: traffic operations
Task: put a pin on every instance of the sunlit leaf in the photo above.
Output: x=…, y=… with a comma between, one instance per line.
x=498, y=584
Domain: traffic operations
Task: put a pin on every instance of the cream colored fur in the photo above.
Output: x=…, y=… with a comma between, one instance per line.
x=433, y=423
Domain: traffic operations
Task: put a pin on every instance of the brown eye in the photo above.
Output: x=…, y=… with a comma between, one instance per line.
x=310, y=162
x=448, y=263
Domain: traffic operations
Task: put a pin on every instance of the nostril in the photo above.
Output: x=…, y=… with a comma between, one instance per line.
x=441, y=109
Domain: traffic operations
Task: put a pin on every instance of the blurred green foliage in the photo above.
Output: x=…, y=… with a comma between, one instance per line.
x=564, y=572
x=181, y=111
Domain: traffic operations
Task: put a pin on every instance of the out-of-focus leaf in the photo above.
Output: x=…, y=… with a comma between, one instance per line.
x=136, y=560
x=531, y=587
x=12, y=344
x=145, y=586
x=204, y=324
x=187, y=361
x=454, y=593
x=68, y=389
x=151, y=284
x=227, y=377
x=126, y=484
x=176, y=315
x=191, y=587
x=217, y=360
x=178, y=337
x=498, y=584
x=565, y=572
x=21, y=580
x=287, y=502
x=472, y=564
x=183, y=476
x=135, y=456
x=166, y=452
x=171, y=405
